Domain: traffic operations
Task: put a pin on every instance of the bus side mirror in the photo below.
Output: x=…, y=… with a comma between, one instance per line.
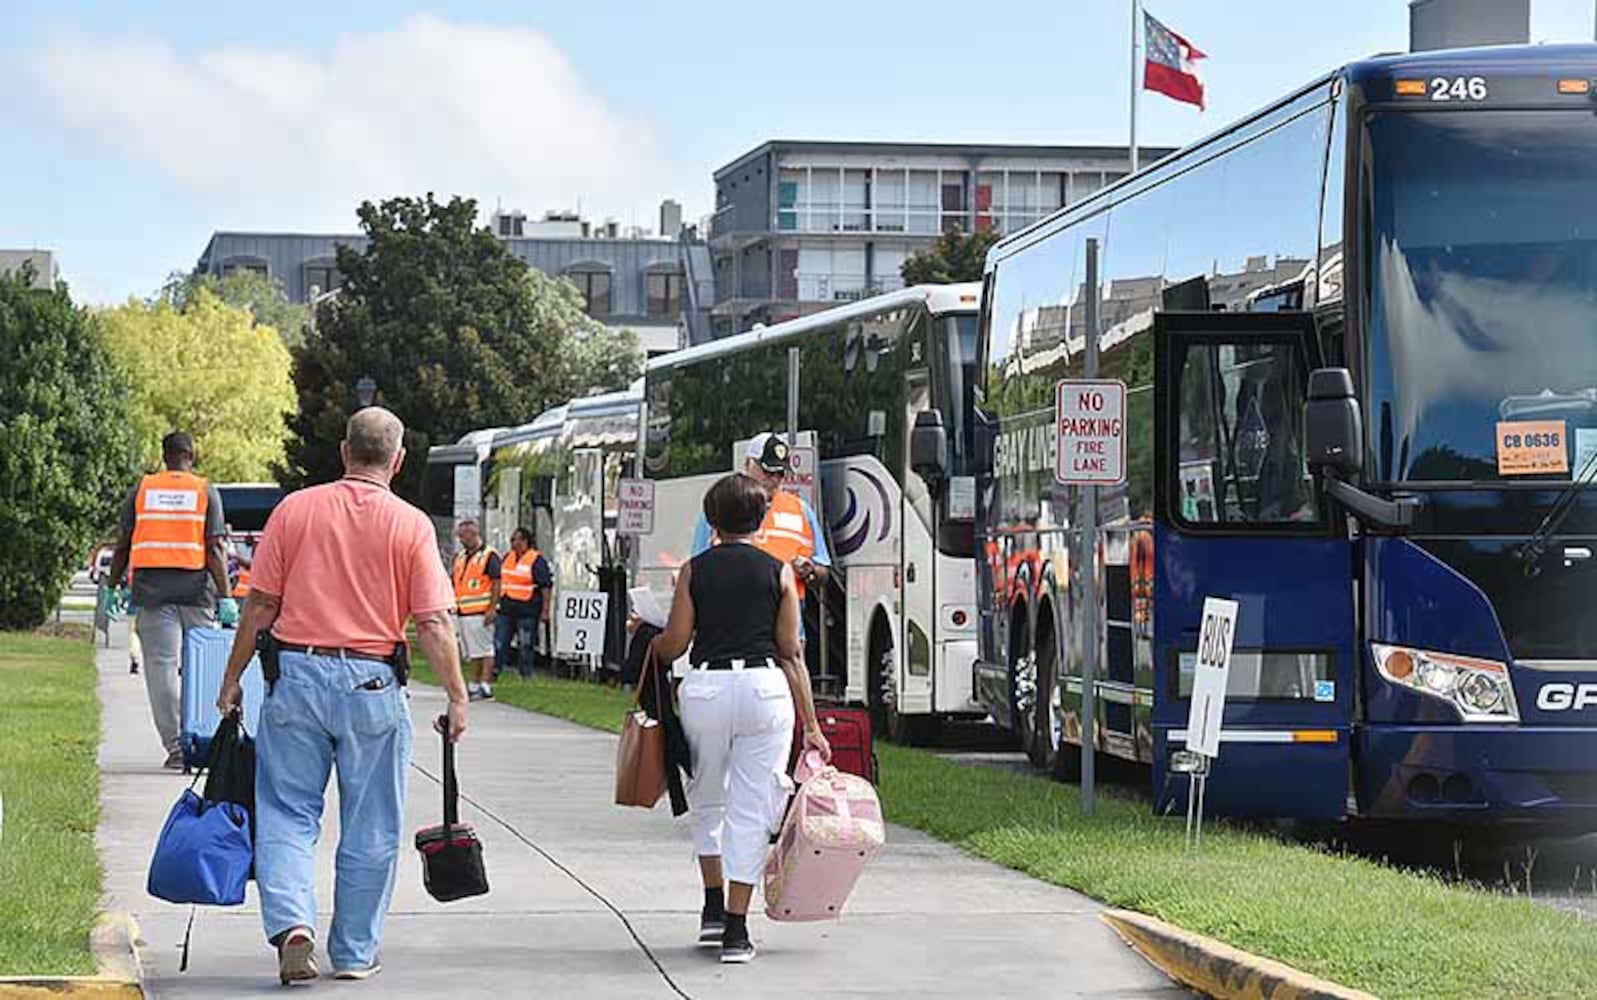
x=928, y=446
x=1333, y=425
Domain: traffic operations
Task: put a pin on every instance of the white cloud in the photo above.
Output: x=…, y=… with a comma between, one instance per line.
x=275, y=138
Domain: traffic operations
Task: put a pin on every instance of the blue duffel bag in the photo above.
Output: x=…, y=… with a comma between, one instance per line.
x=204, y=853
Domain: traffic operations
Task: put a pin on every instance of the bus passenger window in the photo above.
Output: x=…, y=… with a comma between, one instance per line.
x=1240, y=442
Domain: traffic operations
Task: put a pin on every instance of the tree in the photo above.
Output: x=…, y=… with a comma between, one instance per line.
x=68, y=454
x=264, y=297
x=954, y=256
x=455, y=330
x=208, y=369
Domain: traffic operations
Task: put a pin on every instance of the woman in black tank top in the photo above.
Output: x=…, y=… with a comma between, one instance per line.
x=738, y=609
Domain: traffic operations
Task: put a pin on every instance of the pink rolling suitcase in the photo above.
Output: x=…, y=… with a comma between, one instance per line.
x=832, y=830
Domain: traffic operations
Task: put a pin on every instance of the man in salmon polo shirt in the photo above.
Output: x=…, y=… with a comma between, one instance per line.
x=338, y=571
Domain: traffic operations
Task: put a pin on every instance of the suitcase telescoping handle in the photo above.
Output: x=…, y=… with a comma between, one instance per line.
x=451, y=784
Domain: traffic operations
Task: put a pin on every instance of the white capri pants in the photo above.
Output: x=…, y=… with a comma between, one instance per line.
x=739, y=725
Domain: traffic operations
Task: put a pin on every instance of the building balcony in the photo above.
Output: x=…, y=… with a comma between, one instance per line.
x=726, y=232
x=836, y=288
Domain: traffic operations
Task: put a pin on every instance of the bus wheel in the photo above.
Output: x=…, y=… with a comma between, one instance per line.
x=901, y=729
x=1043, y=745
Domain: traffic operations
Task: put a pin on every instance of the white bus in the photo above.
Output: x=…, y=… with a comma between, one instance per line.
x=559, y=476
x=877, y=398
x=451, y=484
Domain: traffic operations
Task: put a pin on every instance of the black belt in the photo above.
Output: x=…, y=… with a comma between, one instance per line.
x=759, y=663
x=342, y=652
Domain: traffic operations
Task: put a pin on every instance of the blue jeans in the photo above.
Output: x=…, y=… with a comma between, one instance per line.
x=506, y=627
x=323, y=711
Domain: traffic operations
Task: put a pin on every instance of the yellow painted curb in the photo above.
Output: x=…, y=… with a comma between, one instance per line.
x=1219, y=970
x=113, y=944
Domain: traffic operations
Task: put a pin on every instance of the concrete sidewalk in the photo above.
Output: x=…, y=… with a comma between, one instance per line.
x=926, y=921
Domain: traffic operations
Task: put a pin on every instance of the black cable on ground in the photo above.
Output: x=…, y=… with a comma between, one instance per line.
x=573, y=876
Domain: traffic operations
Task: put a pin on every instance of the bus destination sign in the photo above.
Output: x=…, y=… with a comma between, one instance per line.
x=1090, y=423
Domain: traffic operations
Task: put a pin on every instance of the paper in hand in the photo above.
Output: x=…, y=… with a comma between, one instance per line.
x=646, y=607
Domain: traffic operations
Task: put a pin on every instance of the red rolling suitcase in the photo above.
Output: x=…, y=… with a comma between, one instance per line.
x=848, y=730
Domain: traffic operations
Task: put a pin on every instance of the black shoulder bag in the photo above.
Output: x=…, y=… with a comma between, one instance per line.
x=451, y=854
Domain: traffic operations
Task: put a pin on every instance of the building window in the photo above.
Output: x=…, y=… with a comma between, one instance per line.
x=664, y=294
x=922, y=203
x=787, y=199
x=595, y=289
x=321, y=278
x=245, y=264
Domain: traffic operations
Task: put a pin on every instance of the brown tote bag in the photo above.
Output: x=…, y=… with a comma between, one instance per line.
x=640, y=755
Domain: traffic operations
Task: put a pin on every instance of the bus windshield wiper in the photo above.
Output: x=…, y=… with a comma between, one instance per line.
x=1530, y=553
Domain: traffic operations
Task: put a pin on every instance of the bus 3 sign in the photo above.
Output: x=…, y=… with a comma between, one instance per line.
x=1090, y=421
x=579, y=629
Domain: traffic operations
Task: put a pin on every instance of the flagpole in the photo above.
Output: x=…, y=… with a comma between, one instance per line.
x=1136, y=30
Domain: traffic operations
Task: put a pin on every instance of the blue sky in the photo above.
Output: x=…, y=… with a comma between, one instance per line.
x=133, y=131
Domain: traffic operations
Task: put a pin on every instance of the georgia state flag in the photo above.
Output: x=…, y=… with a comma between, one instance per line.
x=1172, y=63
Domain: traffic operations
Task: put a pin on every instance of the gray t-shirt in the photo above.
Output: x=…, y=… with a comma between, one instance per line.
x=184, y=587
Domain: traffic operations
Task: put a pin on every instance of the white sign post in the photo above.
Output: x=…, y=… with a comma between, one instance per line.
x=579, y=623
x=1211, y=673
x=635, y=516
x=1091, y=419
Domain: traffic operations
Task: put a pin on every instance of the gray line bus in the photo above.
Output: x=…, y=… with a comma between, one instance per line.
x=1356, y=328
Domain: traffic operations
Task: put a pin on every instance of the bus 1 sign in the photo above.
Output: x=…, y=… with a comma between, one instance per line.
x=1090, y=421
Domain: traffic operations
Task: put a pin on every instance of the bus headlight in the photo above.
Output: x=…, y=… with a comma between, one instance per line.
x=1480, y=690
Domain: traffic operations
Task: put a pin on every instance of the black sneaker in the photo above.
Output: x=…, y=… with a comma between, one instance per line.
x=737, y=951
x=711, y=927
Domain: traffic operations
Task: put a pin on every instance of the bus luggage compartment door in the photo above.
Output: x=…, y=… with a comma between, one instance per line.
x=1238, y=516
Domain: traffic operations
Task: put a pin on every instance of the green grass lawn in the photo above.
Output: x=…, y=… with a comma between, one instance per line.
x=49, y=872
x=1393, y=933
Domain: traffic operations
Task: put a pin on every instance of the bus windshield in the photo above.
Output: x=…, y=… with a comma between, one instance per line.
x=955, y=335
x=1483, y=275
x=438, y=487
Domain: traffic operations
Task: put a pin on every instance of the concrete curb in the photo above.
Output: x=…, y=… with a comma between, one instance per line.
x=1219, y=970
x=113, y=942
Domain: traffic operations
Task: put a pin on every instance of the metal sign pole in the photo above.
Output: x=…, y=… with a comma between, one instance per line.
x=1089, y=564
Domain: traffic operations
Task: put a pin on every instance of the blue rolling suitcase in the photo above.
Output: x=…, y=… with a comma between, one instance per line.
x=205, y=652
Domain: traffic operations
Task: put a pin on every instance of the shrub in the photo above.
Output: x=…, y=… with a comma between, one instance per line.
x=66, y=447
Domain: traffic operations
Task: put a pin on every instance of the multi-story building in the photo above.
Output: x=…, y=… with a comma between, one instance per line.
x=40, y=263
x=659, y=287
x=800, y=226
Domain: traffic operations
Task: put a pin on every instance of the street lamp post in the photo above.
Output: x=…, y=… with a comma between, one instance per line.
x=366, y=390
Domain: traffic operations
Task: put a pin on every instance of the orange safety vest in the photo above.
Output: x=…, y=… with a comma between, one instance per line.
x=473, y=588
x=786, y=533
x=169, y=521
x=241, y=587
x=515, y=576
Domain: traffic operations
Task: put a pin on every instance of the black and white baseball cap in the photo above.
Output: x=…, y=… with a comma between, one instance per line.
x=769, y=452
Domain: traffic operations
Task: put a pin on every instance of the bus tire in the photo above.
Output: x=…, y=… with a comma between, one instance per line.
x=905, y=730
x=1042, y=748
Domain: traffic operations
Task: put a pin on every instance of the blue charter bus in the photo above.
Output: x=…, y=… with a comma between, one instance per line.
x=1359, y=335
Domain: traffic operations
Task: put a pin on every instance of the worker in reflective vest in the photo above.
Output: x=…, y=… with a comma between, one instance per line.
x=239, y=560
x=790, y=532
x=173, y=534
x=524, y=575
x=476, y=575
